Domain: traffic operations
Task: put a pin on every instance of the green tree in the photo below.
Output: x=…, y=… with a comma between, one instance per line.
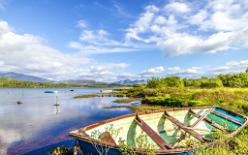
x=173, y=81
x=154, y=83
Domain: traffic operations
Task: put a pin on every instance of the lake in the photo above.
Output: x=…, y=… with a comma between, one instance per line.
x=37, y=123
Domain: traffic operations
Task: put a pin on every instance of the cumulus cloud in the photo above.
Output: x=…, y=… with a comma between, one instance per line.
x=28, y=54
x=152, y=71
x=230, y=67
x=100, y=72
x=178, y=27
x=191, y=72
x=196, y=72
x=142, y=24
x=100, y=41
x=214, y=26
x=177, y=7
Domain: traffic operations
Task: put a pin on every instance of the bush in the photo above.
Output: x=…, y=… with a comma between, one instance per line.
x=170, y=101
x=172, y=81
x=211, y=83
x=154, y=83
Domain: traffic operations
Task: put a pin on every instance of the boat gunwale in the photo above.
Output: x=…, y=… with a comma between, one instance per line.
x=78, y=133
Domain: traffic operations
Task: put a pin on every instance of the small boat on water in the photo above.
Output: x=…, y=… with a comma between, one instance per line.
x=177, y=131
x=51, y=91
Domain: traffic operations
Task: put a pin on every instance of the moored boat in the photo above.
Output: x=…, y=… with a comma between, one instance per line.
x=51, y=91
x=169, y=131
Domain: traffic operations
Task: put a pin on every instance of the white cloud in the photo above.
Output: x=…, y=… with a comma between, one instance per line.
x=152, y=71
x=196, y=72
x=97, y=41
x=160, y=20
x=94, y=37
x=230, y=67
x=183, y=43
x=28, y=54
x=105, y=72
x=178, y=7
x=142, y=24
x=199, y=17
x=100, y=41
x=214, y=26
x=4, y=27
x=156, y=69
x=191, y=72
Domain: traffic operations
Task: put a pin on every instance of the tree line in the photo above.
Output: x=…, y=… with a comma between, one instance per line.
x=12, y=83
x=239, y=80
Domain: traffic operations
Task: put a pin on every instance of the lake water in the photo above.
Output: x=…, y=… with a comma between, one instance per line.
x=37, y=123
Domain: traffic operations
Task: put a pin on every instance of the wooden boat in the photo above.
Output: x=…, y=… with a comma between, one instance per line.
x=169, y=131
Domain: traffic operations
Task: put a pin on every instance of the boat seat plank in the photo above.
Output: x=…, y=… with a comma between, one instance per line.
x=152, y=134
x=200, y=118
x=226, y=118
x=185, y=128
x=211, y=122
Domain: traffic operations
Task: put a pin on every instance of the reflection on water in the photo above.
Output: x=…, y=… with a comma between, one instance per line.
x=38, y=122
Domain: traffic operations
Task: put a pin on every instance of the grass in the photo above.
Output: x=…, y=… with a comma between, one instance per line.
x=232, y=146
x=146, y=108
x=85, y=96
x=125, y=100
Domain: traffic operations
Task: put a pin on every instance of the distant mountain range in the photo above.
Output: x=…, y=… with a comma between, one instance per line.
x=25, y=77
x=22, y=77
x=84, y=82
x=130, y=82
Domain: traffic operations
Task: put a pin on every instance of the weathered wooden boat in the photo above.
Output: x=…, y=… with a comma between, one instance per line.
x=170, y=131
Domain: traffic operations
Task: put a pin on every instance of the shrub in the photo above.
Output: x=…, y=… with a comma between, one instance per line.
x=171, y=81
x=170, y=101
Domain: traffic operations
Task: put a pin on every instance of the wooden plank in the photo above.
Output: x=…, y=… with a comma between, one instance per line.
x=200, y=118
x=211, y=122
x=185, y=128
x=225, y=117
x=152, y=134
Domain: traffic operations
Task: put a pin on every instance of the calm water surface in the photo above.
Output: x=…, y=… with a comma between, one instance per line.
x=38, y=123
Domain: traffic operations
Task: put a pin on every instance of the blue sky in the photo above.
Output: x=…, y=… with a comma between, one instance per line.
x=113, y=40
